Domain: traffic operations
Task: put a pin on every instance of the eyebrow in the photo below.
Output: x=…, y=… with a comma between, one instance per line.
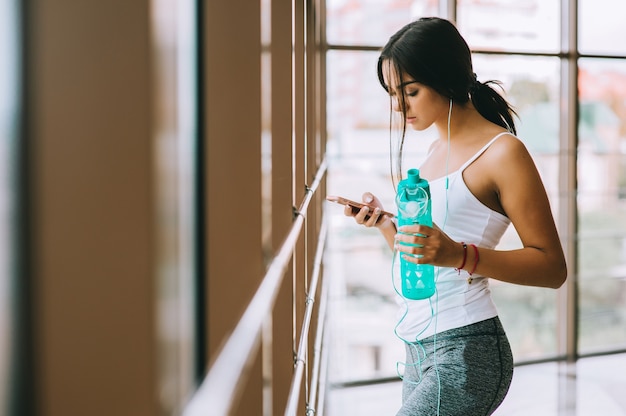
x=402, y=85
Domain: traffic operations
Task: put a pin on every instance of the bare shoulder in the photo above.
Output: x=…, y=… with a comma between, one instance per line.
x=507, y=153
x=511, y=168
x=508, y=145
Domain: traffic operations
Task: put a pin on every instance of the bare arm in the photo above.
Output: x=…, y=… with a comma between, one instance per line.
x=523, y=197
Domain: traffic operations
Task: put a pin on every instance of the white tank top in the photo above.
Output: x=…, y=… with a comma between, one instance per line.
x=456, y=303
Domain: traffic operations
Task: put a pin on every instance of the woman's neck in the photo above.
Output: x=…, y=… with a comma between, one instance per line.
x=464, y=119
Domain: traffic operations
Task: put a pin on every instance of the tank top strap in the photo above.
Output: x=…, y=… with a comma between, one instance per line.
x=481, y=151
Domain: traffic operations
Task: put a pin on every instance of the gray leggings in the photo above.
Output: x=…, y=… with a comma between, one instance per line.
x=473, y=372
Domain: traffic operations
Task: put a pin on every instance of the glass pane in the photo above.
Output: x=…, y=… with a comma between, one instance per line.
x=266, y=124
x=510, y=25
x=532, y=87
x=9, y=136
x=602, y=205
x=358, y=260
x=601, y=24
x=176, y=150
x=360, y=23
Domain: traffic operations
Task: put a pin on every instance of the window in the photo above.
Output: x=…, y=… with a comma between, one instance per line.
x=602, y=204
x=520, y=44
x=532, y=86
x=506, y=25
x=176, y=146
x=13, y=325
x=600, y=24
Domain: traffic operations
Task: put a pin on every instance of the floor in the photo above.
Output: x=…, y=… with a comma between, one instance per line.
x=593, y=386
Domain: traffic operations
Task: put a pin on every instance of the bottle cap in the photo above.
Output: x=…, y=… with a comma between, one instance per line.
x=413, y=176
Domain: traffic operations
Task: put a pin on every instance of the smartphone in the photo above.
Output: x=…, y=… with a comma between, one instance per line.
x=356, y=206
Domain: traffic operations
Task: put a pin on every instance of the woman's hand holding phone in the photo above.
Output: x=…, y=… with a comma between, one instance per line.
x=368, y=213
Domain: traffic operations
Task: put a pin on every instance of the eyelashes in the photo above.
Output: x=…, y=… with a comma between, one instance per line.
x=406, y=94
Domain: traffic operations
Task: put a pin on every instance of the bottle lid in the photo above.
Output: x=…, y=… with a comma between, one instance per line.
x=413, y=176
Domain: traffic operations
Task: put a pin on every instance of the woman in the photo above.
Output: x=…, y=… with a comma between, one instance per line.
x=482, y=178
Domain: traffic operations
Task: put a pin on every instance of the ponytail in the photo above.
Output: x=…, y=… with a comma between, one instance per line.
x=492, y=106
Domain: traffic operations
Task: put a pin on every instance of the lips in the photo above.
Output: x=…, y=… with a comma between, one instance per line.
x=410, y=119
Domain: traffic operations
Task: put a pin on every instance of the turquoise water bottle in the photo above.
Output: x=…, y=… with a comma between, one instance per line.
x=414, y=207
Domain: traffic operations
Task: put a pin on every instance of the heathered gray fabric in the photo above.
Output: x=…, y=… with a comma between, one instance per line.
x=475, y=367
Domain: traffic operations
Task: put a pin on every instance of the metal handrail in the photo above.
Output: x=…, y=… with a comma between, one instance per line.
x=323, y=359
x=219, y=388
x=316, y=402
x=296, y=381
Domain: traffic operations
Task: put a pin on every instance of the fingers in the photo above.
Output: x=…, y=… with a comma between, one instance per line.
x=413, y=254
x=414, y=243
x=347, y=210
x=414, y=258
x=422, y=231
x=368, y=198
x=426, y=245
x=412, y=247
x=367, y=217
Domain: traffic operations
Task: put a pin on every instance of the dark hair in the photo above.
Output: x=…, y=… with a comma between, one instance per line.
x=432, y=51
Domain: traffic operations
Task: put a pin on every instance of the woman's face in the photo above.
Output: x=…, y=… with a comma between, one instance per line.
x=423, y=105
